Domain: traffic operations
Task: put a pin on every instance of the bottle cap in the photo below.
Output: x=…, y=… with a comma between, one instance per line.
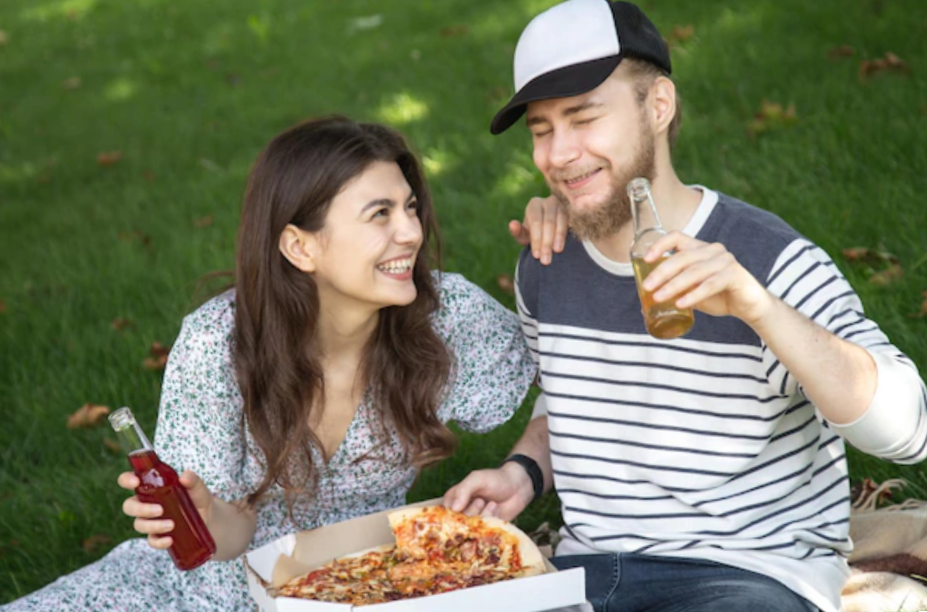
x=122, y=419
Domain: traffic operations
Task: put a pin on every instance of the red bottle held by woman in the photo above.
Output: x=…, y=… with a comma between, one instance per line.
x=193, y=545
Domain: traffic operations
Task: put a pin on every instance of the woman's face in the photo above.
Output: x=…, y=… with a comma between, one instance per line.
x=365, y=253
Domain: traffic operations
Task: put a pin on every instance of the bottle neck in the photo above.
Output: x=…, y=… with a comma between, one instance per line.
x=645, y=214
x=133, y=440
x=647, y=226
x=131, y=437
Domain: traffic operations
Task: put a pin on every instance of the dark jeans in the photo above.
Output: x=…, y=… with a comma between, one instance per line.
x=629, y=582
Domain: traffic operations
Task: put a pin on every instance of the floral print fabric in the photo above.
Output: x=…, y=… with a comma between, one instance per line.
x=199, y=428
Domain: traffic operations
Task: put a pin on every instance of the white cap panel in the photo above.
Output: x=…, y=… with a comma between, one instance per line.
x=570, y=33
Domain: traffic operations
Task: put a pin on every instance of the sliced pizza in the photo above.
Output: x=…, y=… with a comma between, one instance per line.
x=437, y=550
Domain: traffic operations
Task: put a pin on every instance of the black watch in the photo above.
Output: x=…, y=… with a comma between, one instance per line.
x=534, y=472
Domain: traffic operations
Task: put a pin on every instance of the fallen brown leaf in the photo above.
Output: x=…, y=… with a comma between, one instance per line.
x=109, y=158
x=203, y=222
x=840, y=52
x=885, y=267
x=113, y=446
x=893, y=61
x=923, y=312
x=870, y=256
x=887, y=276
x=889, y=63
x=3, y=37
x=855, y=253
x=145, y=239
x=88, y=415
x=680, y=34
x=158, y=358
x=2, y=306
x=120, y=323
x=506, y=283
x=148, y=175
x=771, y=115
x=72, y=83
x=454, y=30
x=95, y=541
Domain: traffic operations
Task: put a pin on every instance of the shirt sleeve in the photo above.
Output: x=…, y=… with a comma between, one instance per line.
x=493, y=368
x=894, y=425
x=526, y=301
x=199, y=421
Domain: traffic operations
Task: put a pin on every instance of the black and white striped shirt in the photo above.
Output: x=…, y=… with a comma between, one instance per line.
x=704, y=446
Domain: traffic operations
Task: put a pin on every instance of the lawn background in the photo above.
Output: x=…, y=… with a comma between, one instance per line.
x=188, y=92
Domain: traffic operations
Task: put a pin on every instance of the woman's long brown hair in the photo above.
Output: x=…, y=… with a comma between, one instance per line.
x=406, y=365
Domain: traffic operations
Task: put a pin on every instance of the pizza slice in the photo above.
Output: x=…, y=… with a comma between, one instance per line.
x=471, y=544
x=359, y=579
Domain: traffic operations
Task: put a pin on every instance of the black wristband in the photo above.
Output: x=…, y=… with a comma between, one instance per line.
x=534, y=472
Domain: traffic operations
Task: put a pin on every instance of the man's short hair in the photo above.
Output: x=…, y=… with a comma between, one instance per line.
x=643, y=73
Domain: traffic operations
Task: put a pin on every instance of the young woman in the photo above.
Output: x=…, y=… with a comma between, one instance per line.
x=313, y=391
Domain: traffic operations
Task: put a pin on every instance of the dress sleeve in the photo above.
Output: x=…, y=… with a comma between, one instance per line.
x=199, y=420
x=894, y=426
x=493, y=367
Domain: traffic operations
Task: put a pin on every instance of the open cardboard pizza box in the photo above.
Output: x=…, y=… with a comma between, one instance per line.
x=276, y=563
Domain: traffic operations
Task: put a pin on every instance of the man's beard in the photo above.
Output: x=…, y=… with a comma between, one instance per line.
x=610, y=216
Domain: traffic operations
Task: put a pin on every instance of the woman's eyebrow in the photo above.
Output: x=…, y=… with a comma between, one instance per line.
x=385, y=202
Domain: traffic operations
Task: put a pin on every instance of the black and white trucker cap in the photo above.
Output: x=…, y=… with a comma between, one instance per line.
x=571, y=48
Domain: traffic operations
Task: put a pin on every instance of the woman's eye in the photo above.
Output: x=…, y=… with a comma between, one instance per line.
x=413, y=205
x=380, y=213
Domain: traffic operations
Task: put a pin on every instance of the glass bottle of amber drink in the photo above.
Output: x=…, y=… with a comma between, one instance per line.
x=192, y=543
x=662, y=319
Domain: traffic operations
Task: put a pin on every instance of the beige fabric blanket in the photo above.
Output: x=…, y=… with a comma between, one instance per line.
x=889, y=560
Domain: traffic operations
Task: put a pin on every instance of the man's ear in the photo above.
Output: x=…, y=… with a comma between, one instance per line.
x=299, y=247
x=662, y=103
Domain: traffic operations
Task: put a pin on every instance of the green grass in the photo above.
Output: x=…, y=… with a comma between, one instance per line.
x=190, y=91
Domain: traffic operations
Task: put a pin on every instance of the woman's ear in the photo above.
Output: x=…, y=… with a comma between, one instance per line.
x=299, y=247
x=662, y=103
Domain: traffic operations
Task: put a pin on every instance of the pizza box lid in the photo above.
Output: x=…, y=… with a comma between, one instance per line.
x=279, y=561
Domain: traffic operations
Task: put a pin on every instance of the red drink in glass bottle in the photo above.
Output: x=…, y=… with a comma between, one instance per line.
x=192, y=543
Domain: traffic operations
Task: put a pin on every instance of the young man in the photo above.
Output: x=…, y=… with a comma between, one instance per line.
x=706, y=472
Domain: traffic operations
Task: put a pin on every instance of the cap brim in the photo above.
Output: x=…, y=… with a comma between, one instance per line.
x=561, y=83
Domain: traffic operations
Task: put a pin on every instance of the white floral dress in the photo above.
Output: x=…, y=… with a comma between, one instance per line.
x=199, y=428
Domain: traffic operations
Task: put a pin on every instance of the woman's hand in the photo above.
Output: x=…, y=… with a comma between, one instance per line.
x=544, y=227
x=147, y=516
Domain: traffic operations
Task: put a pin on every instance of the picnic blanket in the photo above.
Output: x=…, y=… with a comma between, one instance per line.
x=889, y=559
